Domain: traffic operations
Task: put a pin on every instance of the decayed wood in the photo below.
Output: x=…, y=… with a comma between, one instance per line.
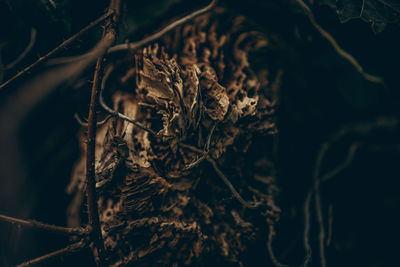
x=196, y=95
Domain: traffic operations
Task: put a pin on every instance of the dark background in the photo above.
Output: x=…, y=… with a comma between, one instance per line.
x=320, y=93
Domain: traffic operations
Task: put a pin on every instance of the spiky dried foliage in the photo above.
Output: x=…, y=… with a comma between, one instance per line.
x=198, y=91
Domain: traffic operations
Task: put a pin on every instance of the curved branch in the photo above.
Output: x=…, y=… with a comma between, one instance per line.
x=359, y=128
x=336, y=46
x=235, y=193
x=25, y=52
x=169, y=27
x=85, y=124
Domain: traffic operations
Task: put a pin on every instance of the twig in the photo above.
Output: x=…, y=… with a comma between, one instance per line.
x=271, y=235
x=169, y=27
x=85, y=124
x=1, y=65
x=109, y=35
x=208, y=142
x=306, y=236
x=69, y=250
x=250, y=205
x=43, y=226
x=93, y=209
x=205, y=151
x=330, y=223
x=320, y=220
x=338, y=49
x=350, y=155
x=317, y=181
x=58, y=48
x=116, y=113
x=196, y=162
x=359, y=128
x=25, y=52
x=318, y=205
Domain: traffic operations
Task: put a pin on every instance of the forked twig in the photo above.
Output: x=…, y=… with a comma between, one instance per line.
x=43, y=226
x=58, y=48
x=169, y=27
x=69, y=250
x=336, y=46
x=318, y=207
x=360, y=128
x=205, y=151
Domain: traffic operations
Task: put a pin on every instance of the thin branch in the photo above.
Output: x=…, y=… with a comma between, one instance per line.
x=317, y=181
x=43, y=226
x=93, y=209
x=1, y=65
x=359, y=128
x=330, y=225
x=116, y=113
x=69, y=250
x=362, y=8
x=58, y=48
x=320, y=220
x=272, y=256
x=209, y=137
x=336, y=46
x=109, y=35
x=350, y=155
x=306, y=235
x=318, y=206
x=27, y=49
x=205, y=151
x=169, y=27
x=85, y=124
x=196, y=162
x=250, y=205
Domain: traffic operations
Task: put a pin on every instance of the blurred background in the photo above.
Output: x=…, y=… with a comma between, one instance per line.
x=320, y=94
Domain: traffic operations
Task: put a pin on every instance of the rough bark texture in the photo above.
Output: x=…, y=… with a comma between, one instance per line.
x=158, y=204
